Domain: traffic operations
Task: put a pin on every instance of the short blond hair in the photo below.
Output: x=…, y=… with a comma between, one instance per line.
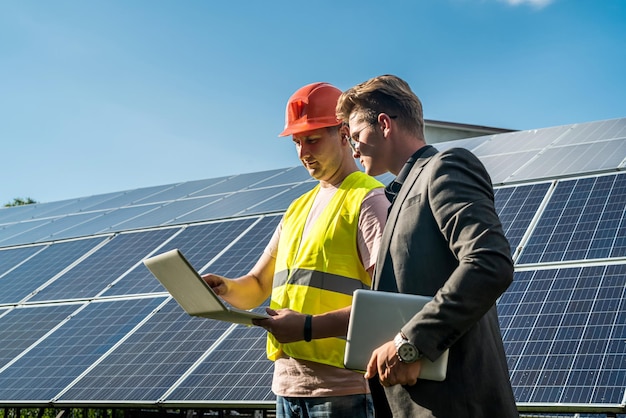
x=383, y=94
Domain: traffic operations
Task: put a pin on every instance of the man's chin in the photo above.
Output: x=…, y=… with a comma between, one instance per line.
x=368, y=170
x=372, y=173
x=313, y=172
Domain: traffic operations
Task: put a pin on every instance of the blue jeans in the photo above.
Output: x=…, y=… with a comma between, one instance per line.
x=350, y=406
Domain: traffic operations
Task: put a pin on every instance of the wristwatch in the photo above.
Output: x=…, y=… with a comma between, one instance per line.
x=405, y=350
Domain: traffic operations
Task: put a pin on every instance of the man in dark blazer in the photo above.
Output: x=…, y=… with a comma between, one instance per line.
x=443, y=238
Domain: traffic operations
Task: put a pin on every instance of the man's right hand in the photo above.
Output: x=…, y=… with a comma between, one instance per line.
x=217, y=283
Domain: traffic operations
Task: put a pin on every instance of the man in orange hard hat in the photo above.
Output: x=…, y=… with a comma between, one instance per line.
x=323, y=249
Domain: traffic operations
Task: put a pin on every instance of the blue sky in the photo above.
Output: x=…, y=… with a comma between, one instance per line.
x=99, y=97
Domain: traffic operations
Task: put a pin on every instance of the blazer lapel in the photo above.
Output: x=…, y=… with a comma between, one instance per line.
x=392, y=218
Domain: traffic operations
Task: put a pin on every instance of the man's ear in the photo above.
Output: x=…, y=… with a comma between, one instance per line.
x=344, y=131
x=384, y=121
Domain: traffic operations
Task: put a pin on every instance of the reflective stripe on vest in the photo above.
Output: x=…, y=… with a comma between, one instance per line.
x=320, y=273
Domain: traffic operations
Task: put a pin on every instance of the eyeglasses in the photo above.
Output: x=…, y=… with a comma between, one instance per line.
x=354, y=143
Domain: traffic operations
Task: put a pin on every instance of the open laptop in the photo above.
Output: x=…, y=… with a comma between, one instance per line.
x=191, y=292
x=376, y=318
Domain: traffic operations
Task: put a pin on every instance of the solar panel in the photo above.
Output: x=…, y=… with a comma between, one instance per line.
x=28, y=277
x=239, y=182
x=129, y=198
x=279, y=201
x=178, y=191
x=504, y=167
x=231, y=204
x=152, y=359
x=165, y=213
x=564, y=331
x=237, y=369
x=581, y=221
x=104, y=221
x=560, y=194
x=44, y=210
x=243, y=255
x=585, y=158
x=594, y=132
x=52, y=230
x=468, y=143
x=200, y=244
x=512, y=142
x=516, y=207
x=95, y=273
x=289, y=175
x=60, y=358
x=17, y=233
x=53, y=209
x=10, y=258
x=16, y=337
x=16, y=213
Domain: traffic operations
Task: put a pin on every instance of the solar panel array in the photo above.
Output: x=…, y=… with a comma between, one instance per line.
x=83, y=322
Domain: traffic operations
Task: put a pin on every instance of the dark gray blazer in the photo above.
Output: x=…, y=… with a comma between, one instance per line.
x=443, y=238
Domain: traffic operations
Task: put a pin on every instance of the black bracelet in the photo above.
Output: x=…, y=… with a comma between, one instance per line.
x=307, y=328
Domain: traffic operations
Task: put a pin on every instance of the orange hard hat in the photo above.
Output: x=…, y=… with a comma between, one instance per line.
x=311, y=107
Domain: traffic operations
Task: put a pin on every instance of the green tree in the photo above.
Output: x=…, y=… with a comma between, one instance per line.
x=18, y=201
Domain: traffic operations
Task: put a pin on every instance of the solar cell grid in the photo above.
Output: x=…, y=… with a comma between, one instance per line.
x=25, y=279
x=13, y=214
x=280, y=201
x=48, y=209
x=57, y=360
x=166, y=213
x=532, y=140
x=581, y=221
x=471, y=144
x=178, y=191
x=238, y=182
x=106, y=222
x=53, y=230
x=199, y=244
x=560, y=332
x=129, y=197
x=236, y=370
x=152, y=359
x=72, y=206
x=516, y=207
x=20, y=328
x=18, y=233
x=595, y=131
x=12, y=257
x=242, y=256
x=569, y=160
x=100, y=269
x=290, y=175
x=504, y=167
x=230, y=205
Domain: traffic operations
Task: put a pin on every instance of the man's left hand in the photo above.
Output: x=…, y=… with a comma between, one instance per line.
x=286, y=325
x=385, y=363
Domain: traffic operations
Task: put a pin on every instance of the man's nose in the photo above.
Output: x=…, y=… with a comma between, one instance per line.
x=303, y=150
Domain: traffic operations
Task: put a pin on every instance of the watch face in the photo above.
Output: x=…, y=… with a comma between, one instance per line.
x=407, y=352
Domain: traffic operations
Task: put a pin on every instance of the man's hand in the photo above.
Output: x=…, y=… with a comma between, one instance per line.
x=285, y=324
x=385, y=363
x=217, y=283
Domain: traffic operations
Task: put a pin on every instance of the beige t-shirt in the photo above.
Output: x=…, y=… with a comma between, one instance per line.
x=293, y=377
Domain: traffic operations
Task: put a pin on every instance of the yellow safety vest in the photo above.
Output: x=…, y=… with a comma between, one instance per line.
x=320, y=273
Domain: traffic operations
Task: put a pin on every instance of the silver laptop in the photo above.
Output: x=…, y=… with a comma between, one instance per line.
x=376, y=318
x=191, y=292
